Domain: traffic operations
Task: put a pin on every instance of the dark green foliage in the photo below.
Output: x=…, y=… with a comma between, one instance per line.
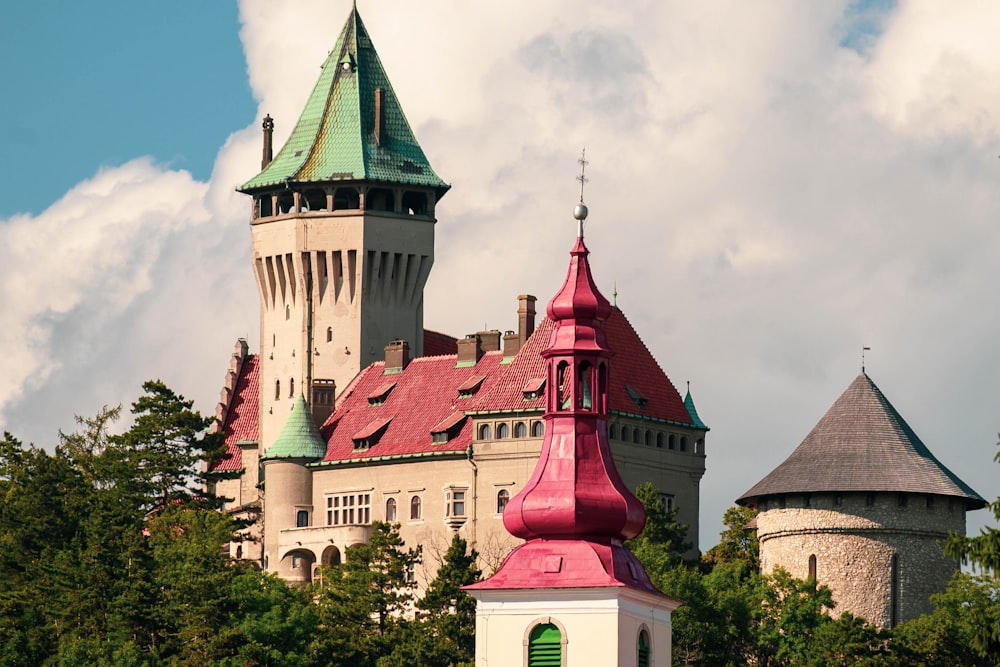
x=983, y=550
x=661, y=545
x=737, y=541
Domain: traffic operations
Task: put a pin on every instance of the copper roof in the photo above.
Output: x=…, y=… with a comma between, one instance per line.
x=862, y=444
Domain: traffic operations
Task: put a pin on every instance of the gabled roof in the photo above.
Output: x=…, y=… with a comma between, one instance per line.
x=299, y=438
x=632, y=365
x=335, y=137
x=242, y=415
x=425, y=395
x=862, y=444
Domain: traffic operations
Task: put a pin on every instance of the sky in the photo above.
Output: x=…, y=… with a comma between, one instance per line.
x=773, y=186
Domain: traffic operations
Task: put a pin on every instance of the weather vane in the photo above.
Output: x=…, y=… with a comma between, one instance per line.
x=580, y=212
x=864, y=349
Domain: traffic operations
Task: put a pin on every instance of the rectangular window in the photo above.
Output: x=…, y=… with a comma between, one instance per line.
x=349, y=509
x=454, y=505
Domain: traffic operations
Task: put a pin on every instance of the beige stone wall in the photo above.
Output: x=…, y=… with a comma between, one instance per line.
x=854, y=538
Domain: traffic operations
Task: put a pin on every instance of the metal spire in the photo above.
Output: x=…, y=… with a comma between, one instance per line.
x=580, y=212
x=864, y=349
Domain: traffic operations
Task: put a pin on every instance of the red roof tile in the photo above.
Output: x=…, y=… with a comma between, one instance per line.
x=438, y=344
x=242, y=415
x=426, y=394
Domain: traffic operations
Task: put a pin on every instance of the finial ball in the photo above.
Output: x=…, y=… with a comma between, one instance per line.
x=580, y=211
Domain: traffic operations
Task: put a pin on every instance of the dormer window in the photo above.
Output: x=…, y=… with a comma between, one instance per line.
x=448, y=428
x=637, y=397
x=534, y=389
x=369, y=435
x=471, y=386
x=378, y=396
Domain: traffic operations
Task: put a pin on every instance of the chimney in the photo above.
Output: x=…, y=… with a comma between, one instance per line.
x=489, y=340
x=268, y=132
x=397, y=356
x=470, y=350
x=511, y=344
x=322, y=400
x=525, y=318
x=379, y=115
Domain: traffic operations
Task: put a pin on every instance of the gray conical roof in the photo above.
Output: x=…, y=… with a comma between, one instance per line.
x=862, y=444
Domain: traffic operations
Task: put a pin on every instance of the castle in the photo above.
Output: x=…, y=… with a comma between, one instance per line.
x=352, y=411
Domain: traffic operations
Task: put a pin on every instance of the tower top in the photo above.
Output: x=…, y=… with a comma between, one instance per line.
x=352, y=127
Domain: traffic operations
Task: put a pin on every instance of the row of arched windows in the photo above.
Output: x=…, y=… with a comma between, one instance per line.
x=503, y=430
x=345, y=198
x=416, y=509
x=648, y=437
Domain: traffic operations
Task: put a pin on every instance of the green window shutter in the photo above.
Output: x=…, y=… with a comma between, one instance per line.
x=643, y=649
x=545, y=646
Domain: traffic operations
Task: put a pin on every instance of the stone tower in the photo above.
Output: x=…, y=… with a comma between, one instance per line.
x=861, y=506
x=343, y=235
x=572, y=593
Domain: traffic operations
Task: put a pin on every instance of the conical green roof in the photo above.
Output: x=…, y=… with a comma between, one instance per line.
x=299, y=438
x=692, y=411
x=335, y=138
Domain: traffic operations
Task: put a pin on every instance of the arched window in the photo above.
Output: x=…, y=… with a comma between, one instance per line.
x=635, y=436
x=301, y=518
x=277, y=389
x=625, y=433
x=584, y=398
x=613, y=431
x=520, y=430
x=503, y=431
x=672, y=442
x=414, y=508
x=562, y=382
x=288, y=312
x=291, y=387
x=684, y=443
x=390, y=510
x=503, y=495
x=484, y=432
x=642, y=648
x=329, y=334
x=659, y=441
x=537, y=429
x=545, y=646
x=812, y=568
x=649, y=439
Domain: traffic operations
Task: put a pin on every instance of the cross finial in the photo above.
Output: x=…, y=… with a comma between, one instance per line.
x=614, y=295
x=864, y=349
x=582, y=178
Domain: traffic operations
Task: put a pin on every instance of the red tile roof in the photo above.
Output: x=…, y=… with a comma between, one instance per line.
x=632, y=364
x=425, y=395
x=241, y=415
x=438, y=344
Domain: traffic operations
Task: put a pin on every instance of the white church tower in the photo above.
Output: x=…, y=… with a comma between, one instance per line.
x=572, y=594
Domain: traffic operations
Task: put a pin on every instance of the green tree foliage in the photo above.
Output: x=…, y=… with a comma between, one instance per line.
x=661, y=545
x=737, y=542
x=362, y=603
x=983, y=550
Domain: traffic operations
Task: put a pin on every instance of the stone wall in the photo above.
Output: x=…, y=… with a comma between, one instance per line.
x=855, y=538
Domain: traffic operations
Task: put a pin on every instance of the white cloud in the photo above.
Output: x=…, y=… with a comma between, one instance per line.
x=766, y=199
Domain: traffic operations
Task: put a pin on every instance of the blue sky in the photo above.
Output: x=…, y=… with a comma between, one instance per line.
x=772, y=187
x=92, y=84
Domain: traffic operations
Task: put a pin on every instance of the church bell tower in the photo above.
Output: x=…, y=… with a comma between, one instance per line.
x=343, y=235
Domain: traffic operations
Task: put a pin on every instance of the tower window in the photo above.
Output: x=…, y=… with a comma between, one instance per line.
x=642, y=649
x=613, y=431
x=503, y=497
x=684, y=443
x=635, y=436
x=894, y=591
x=503, y=431
x=301, y=518
x=329, y=334
x=838, y=500
x=672, y=442
x=812, y=568
x=870, y=499
x=520, y=430
x=649, y=438
x=902, y=499
x=484, y=432
x=288, y=312
x=537, y=429
x=291, y=387
x=277, y=389
x=624, y=433
x=545, y=646
x=659, y=441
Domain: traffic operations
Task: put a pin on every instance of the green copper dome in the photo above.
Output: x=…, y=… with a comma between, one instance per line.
x=352, y=127
x=299, y=438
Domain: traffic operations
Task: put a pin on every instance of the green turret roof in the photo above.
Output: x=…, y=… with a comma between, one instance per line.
x=692, y=411
x=335, y=138
x=299, y=438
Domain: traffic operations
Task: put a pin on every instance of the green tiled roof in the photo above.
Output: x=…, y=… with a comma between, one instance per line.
x=334, y=139
x=692, y=411
x=299, y=438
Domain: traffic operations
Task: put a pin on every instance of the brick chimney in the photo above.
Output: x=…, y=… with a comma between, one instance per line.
x=397, y=356
x=511, y=343
x=470, y=350
x=489, y=340
x=525, y=318
x=321, y=402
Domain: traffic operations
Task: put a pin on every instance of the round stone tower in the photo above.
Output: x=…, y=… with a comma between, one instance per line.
x=861, y=507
